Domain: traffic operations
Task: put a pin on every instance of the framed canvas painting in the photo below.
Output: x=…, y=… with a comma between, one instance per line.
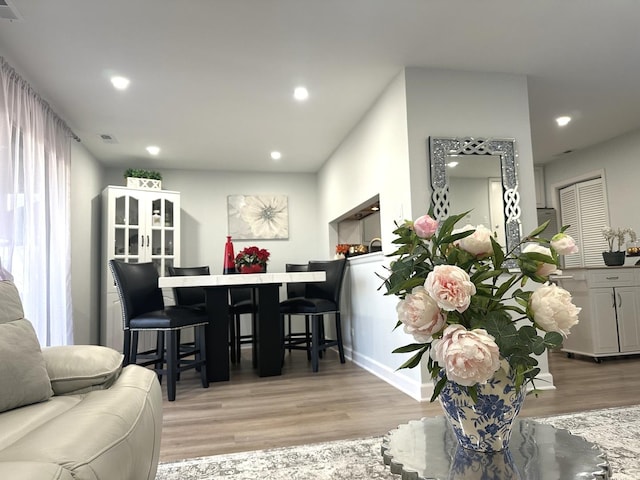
x=255, y=217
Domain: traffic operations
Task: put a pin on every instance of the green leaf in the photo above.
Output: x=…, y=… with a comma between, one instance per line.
x=409, y=348
x=438, y=387
x=539, y=229
x=498, y=254
x=413, y=361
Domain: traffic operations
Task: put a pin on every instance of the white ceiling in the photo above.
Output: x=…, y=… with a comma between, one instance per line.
x=212, y=80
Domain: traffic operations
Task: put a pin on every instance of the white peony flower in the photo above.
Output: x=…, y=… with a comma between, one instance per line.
x=451, y=287
x=420, y=315
x=478, y=243
x=553, y=310
x=467, y=356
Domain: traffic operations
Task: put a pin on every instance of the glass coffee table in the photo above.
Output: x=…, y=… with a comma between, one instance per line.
x=427, y=449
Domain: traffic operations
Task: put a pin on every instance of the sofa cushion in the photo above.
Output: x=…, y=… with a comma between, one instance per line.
x=23, y=374
x=82, y=368
x=33, y=470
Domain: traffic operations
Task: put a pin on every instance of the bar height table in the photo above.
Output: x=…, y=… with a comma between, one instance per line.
x=266, y=296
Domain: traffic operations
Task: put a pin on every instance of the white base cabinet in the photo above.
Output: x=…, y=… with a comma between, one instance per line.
x=609, y=323
x=138, y=225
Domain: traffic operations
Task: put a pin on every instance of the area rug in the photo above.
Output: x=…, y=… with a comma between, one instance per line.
x=615, y=430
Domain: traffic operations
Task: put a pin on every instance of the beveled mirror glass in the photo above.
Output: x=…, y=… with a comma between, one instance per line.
x=486, y=165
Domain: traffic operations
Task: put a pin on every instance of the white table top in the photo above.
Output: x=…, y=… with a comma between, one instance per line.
x=240, y=279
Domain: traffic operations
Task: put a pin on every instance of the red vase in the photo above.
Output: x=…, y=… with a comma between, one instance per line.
x=229, y=258
x=255, y=268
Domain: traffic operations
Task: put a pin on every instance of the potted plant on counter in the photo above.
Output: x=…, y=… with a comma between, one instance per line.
x=140, y=178
x=615, y=258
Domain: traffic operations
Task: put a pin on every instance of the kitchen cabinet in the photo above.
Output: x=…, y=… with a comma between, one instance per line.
x=138, y=225
x=609, y=322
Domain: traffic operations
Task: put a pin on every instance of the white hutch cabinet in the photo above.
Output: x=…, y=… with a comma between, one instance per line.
x=609, y=323
x=138, y=225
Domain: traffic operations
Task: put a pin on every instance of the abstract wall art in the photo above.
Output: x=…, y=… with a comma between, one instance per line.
x=254, y=217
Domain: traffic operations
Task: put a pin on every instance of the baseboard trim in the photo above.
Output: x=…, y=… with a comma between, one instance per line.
x=421, y=392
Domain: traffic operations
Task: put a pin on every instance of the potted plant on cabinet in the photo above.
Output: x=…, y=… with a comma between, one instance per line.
x=140, y=178
x=615, y=258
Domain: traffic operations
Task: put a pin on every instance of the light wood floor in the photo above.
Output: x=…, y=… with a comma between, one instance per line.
x=345, y=401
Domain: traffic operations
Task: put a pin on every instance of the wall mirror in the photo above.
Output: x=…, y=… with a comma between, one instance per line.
x=477, y=174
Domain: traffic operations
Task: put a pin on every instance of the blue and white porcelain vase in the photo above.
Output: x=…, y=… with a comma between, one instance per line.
x=485, y=425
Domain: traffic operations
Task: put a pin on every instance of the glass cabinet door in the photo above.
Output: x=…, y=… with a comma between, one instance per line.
x=126, y=228
x=162, y=233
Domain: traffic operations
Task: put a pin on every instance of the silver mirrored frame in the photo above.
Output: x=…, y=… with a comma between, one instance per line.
x=442, y=147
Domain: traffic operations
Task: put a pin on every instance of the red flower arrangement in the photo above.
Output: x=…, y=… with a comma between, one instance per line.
x=252, y=260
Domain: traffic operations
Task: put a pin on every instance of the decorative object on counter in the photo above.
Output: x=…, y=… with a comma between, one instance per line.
x=466, y=307
x=633, y=249
x=139, y=178
x=342, y=250
x=258, y=216
x=229, y=258
x=358, y=249
x=615, y=258
x=375, y=248
x=252, y=260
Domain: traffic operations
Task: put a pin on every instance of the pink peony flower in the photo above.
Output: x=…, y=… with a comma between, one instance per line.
x=478, y=243
x=544, y=269
x=467, y=356
x=564, y=244
x=420, y=315
x=451, y=287
x=553, y=310
x=425, y=226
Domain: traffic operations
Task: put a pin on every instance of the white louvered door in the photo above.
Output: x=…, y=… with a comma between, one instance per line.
x=584, y=207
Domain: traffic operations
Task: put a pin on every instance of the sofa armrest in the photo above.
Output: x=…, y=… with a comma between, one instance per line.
x=75, y=369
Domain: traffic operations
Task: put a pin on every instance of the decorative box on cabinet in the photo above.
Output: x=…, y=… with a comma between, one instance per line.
x=609, y=322
x=138, y=225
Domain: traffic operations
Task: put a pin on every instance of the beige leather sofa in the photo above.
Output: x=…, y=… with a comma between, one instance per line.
x=72, y=412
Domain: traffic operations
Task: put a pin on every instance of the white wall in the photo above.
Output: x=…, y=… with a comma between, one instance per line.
x=619, y=160
x=86, y=185
x=203, y=198
x=387, y=153
x=445, y=103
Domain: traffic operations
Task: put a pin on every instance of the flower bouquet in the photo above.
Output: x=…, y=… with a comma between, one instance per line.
x=252, y=260
x=469, y=312
x=463, y=306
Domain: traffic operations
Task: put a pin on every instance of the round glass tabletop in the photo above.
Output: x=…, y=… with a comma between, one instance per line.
x=427, y=449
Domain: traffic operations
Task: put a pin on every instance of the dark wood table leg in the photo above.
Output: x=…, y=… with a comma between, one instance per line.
x=269, y=344
x=217, y=334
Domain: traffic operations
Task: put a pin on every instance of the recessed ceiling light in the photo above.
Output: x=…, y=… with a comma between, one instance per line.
x=276, y=155
x=120, y=83
x=300, y=93
x=452, y=164
x=562, y=121
x=153, y=150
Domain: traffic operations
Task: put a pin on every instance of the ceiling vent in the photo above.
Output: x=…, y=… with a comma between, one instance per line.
x=8, y=11
x=106, y=137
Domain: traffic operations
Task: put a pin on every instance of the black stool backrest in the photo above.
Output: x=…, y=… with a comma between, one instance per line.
x=188, y=295
x=331, y=287
x=137, y=286
x=296, y=289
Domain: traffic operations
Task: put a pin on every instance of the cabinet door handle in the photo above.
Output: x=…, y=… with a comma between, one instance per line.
x=613, y=300
x=148, y=242
x=142, y=240
x=619, y=300
x=612, y=278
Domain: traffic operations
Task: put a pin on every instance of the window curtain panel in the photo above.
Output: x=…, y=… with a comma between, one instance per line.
x=35, y=151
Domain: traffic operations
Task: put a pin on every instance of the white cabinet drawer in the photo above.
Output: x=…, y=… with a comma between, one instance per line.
x=618, y=277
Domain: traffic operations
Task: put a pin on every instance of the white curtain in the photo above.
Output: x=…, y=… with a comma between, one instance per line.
x=35, y=150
